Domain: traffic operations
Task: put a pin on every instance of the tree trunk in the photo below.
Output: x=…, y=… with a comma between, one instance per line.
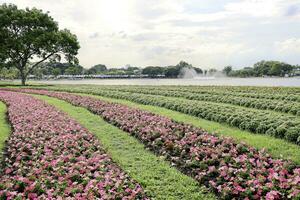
x=23, y=78
x=23, y=81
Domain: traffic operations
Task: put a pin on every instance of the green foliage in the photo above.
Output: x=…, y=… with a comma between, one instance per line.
x=227, y=70
x=272, y=68
x=230, y=98
x=4, y=128
x=174, y=71
x=169, y=71
x=97, y=69
x=56, y=71
x=74, y=70
x=153, y=71
x=29, y=34
x=265, y=68
x=8, y=73
x=57, y=68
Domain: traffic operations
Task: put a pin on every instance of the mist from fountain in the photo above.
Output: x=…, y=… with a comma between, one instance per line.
x=190, y=73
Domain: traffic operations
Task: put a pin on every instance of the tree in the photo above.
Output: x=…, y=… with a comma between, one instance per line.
x=174, y=71
x=97, y=69
x=183, y=64
x=262, y=68
x=56, y=72
x=272, y=68
x=153, y=71
x=198, y=70
x=74, y=70
x=29, y=37
x=275, y=70
x=10, y=73
x=227, y=70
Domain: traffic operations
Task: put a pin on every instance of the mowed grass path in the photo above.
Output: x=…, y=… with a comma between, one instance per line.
x=158, y=178
x=276, y=147
x=4, y=127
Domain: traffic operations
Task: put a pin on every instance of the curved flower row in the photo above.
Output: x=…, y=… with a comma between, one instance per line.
x=50, y=156
x=229, y=169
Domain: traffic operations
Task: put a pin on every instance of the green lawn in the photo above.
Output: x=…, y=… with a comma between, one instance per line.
x=4, y=127
x=276, y=147
x=155, y=175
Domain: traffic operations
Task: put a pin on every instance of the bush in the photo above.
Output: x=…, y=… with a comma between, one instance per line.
x=292, y=134
x=271, y=131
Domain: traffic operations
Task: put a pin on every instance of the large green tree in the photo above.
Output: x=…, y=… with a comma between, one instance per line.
x=29, y=37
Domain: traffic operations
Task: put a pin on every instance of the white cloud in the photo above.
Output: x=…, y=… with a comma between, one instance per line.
x=256, y=8
x=263, y=8
x=210, y=33
x=288, y=46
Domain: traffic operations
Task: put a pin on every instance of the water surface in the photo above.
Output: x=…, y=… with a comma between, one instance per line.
x=292, y=82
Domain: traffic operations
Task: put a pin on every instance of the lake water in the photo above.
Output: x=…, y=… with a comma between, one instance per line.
x=295, y=82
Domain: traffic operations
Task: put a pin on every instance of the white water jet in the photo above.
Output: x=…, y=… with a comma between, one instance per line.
x=190, y=73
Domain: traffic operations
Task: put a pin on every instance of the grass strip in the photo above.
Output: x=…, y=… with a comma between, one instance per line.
x=4, y=127
x=157, y=177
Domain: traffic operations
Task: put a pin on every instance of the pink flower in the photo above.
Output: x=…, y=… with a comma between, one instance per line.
x=8, y=170
x=273, y=195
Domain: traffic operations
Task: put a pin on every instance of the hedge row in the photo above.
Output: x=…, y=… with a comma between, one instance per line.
x=264, y=104
x=233, y=171
x=251, y=92
x=258, y=93
x=293, y=94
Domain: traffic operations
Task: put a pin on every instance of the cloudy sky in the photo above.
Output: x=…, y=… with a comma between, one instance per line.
x=206, y=33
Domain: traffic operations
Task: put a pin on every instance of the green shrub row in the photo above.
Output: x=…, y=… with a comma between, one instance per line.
x=286, y=94
x=244, y=89
x=265, y=104
x=263, y=93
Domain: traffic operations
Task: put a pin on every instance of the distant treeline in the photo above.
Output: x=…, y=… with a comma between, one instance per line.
x=259, y=69
x=56, y=69
x=265, y=68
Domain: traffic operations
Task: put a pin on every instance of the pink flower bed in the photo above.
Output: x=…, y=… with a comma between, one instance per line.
x=50, y=156
x=229, y=169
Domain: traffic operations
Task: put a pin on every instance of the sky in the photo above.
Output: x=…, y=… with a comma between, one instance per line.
x=205, y=33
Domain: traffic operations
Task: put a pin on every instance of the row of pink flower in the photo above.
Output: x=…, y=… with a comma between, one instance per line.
x=231, y=170
x=50, y=156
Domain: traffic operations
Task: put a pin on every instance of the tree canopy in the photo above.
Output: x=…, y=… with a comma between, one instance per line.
x=227, y=70
x=96, y=69
x=29, y=37
x=153, y=71
x=169, y=71
x=265, y=68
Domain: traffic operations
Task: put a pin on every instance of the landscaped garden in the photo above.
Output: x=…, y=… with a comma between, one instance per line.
x=131, y=141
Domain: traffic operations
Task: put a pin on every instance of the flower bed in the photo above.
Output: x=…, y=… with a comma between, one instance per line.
x=231, y=170
x=50, y=156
